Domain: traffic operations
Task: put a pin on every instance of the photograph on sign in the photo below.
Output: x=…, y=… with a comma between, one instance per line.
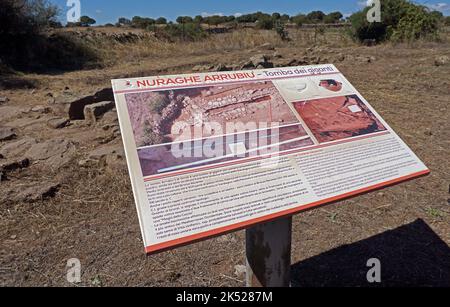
x=339, y=117
x=210, y=153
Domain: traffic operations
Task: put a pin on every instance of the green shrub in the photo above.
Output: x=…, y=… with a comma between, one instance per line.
x=400, y=20
x=362, y=30
x=26, y=46
x=417, y=23
x=281, y=31
x=141, y=22
x=265, y=23
x=185, y=32
x=299, y=20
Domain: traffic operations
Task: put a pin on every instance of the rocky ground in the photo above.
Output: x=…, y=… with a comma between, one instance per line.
x=65, y=191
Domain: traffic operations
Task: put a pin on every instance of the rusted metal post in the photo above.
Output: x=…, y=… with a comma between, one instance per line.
x=268, y=253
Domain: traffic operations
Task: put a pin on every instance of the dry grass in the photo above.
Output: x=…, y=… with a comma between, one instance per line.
x=150, y=47
x=114, y=52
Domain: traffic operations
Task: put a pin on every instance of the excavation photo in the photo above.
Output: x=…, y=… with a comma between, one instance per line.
x=216, y=153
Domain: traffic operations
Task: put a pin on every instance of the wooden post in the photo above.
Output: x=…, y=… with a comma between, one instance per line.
x=268, y=253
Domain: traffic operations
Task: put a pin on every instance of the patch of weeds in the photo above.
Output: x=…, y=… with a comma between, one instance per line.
x=96, y=281
x=433, y=212
x=333, y=217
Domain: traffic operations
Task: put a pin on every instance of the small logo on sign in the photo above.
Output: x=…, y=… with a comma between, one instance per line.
x=73, y=270
x=374, y=274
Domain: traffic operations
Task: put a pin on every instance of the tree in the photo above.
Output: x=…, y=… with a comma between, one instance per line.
x=214, y=20
x=417, y=23
x=86, y=21
x=447, y=20
x=265, y=22
x=333, y=17
x=285, y=18
x=25, y=43
x=299, y=19
x=230, y=18
x=43, y=13
x=400, y=20
x=142, y=23
x=276, y=16
x=124, y=21
x=161, y=21
x=438, y=15
x=184, y=19
x=316, y=16
x=281, y=31
x=198, y=19
x=247, y=18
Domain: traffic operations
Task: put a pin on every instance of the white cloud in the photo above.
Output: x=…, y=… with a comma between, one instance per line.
x=98, y=11
x=238, y=14
x=363, y=3
x=441, y=6
x=346, y=15
x=206, y=14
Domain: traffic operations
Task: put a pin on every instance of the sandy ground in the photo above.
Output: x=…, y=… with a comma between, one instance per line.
x=92, y=217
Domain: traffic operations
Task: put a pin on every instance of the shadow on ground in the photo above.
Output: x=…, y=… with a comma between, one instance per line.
x=410, y=255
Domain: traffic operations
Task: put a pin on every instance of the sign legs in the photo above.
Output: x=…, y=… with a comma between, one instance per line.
x=268, y=253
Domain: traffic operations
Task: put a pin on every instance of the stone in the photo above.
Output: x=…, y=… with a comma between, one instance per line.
x=57, y=123
x=222, y=67
x=73, y=105
x=257, y=59
x=36, y=192
x=340, y=57
x=240, y=270
x=266, y=46
x=265, y=65
x=367, y=59
x=248, y=65
x=7, y=133
x=198, y=68
x=10, y=166
x=277, y=55
x=7, y=113
x=441, y=60
x=110, y=155
x=41, y=109
x=3, y=100
x=110, y=118
x=369, y=42
x=87, y=163
x=17, y=148
x=93, y=111
x=54, y=153
x=261, y=61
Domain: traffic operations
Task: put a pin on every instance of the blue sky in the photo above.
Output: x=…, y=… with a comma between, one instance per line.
x=105, y=11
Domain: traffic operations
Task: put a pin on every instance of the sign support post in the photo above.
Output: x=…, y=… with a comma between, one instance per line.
x=268, y=254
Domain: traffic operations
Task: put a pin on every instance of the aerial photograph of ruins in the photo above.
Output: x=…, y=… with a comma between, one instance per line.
x=267, y=124
x=336, y=118
x=154, y=114
x=216, y=150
